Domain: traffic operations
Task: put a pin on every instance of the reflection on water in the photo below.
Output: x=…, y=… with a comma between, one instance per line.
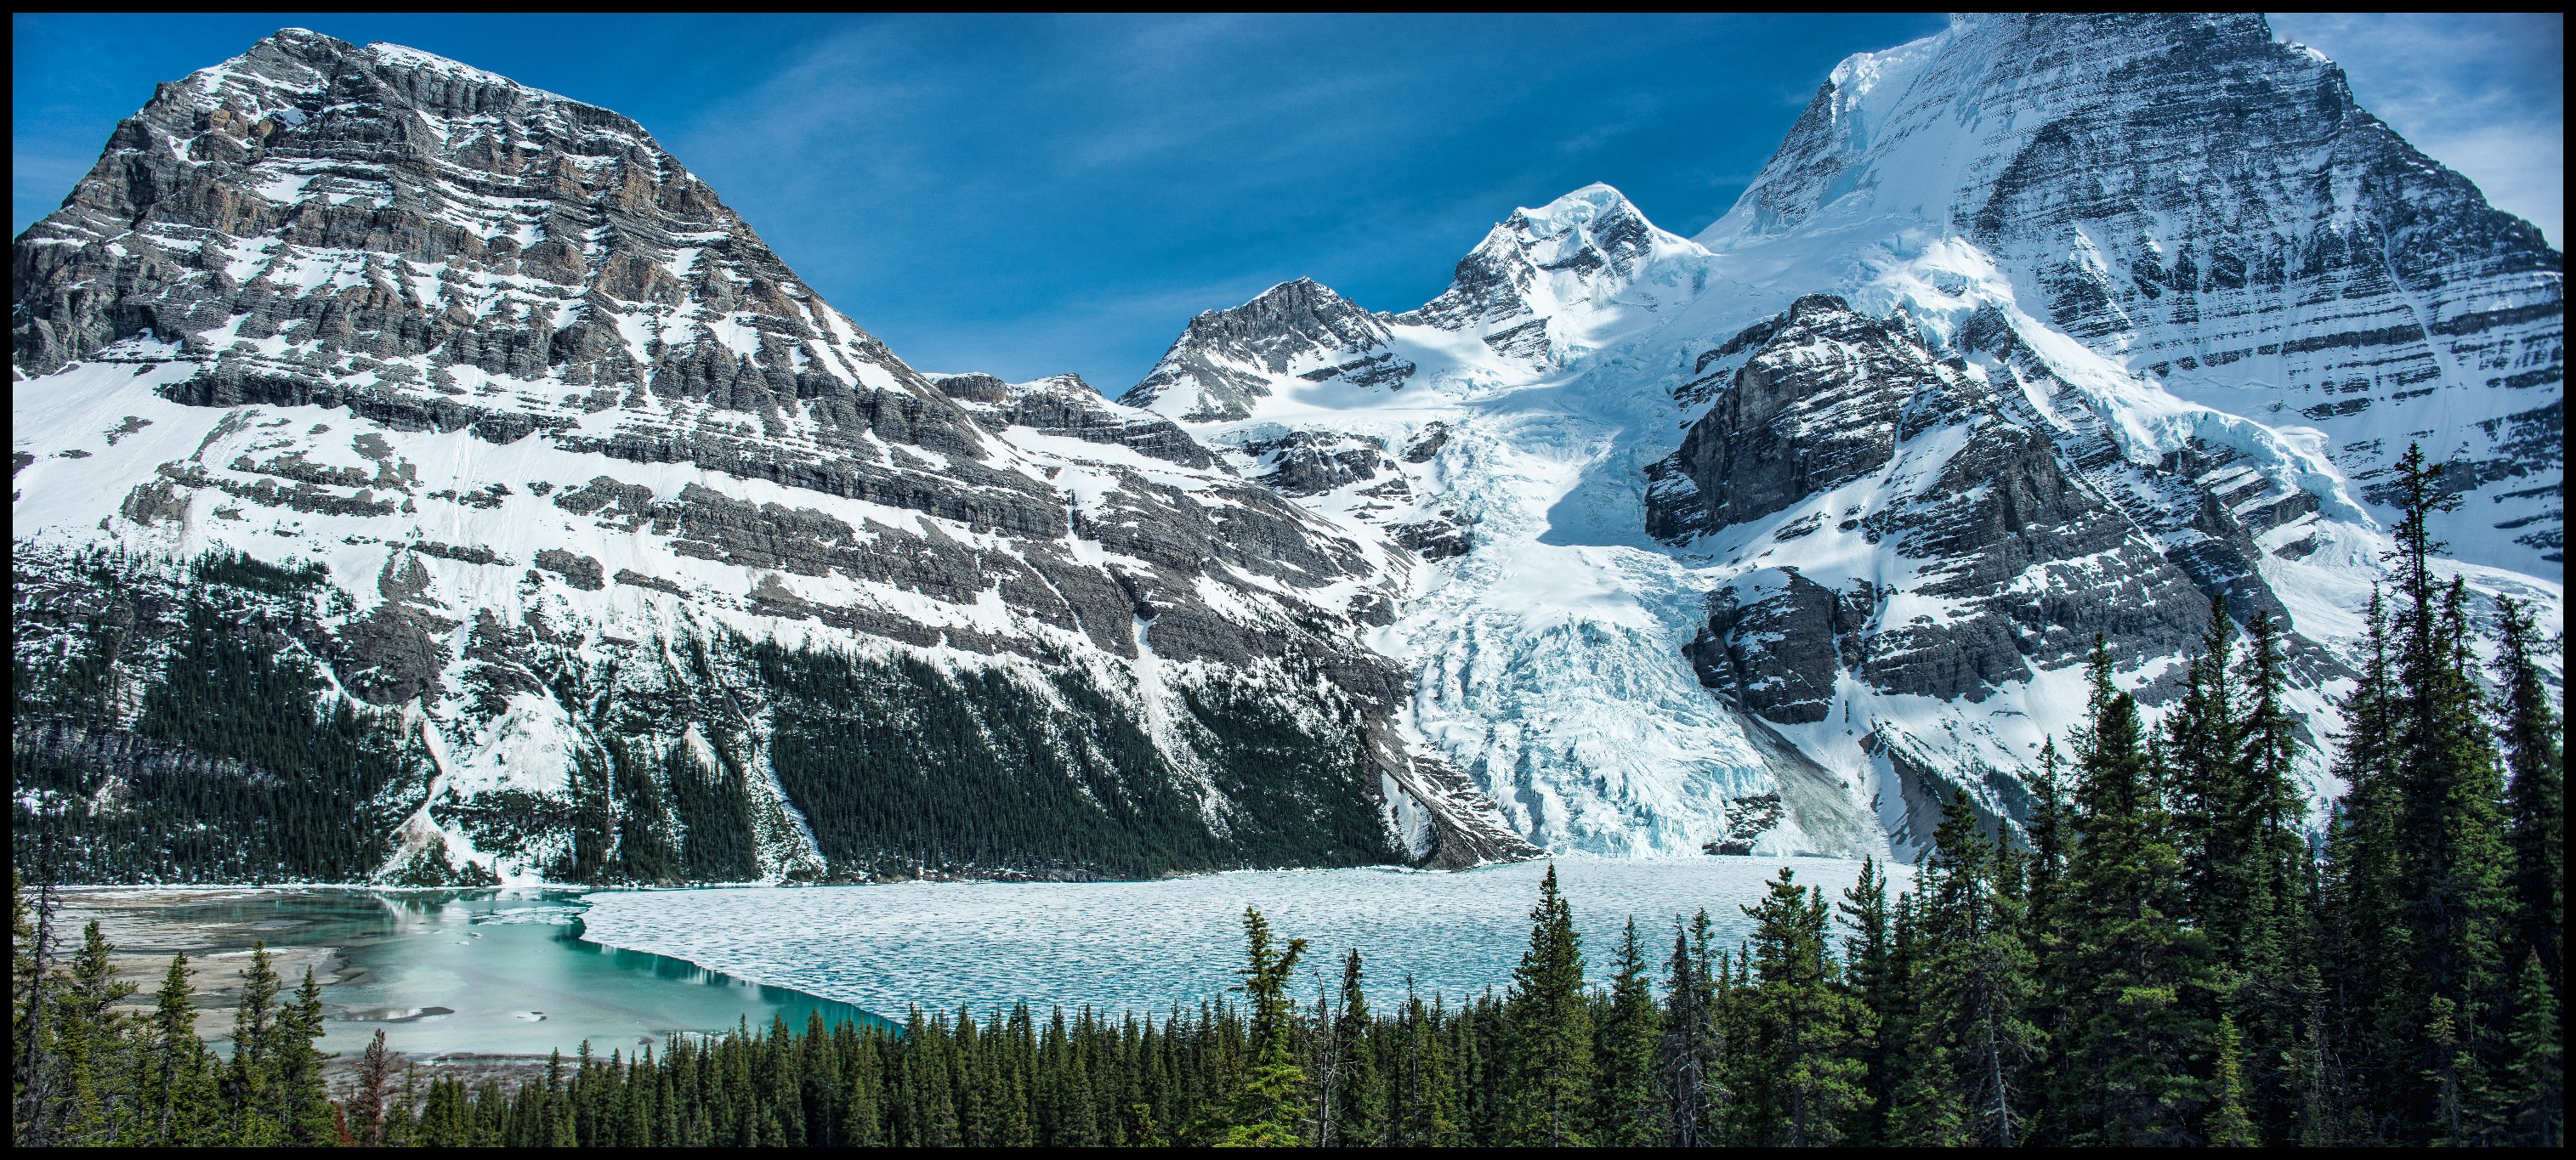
x=486, y=972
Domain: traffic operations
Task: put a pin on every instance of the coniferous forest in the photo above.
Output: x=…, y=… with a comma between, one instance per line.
x=2163, y=956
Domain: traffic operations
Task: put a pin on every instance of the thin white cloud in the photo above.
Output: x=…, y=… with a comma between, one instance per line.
x=2482, y=93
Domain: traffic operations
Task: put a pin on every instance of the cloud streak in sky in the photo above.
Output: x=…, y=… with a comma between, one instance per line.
x=2484, y=95
x=1030, y=195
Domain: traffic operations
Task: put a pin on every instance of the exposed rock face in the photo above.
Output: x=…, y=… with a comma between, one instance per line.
x=1066, y=405
x=342, y=288
x=2016, y=564
x=2353, y=283
x=1814, y=410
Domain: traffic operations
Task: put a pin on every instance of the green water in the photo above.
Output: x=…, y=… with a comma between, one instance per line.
x=484, y=972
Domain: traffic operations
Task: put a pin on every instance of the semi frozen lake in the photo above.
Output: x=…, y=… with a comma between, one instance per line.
x=1144, y=946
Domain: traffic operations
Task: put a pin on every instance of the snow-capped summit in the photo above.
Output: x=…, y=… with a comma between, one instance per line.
x=2209, y=209
x=533, y=443
x=2041, y=327
x=1228, y=358
x=1552, y=282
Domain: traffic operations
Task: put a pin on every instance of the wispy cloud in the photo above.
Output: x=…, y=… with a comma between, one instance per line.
x=2482, y=93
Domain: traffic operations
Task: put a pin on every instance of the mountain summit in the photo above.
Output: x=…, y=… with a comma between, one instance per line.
x=2042, y=329
x=476, y=413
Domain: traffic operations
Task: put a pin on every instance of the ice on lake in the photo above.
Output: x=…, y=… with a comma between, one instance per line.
x=1144, y=946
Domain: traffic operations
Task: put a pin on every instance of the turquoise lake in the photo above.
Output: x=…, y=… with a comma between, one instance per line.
x=487, y=972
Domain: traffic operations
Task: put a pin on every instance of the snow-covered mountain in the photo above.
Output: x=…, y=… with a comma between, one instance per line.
x=2038, y=328
x=360, y=379
x=531, y=442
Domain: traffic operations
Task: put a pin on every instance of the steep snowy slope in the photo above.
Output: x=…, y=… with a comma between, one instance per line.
x=2209, y=209
x=1829, y=502
x=532, y=443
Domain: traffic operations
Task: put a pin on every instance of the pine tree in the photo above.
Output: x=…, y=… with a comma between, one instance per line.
x=1357, y=1097
x=1551, y=1074
x=863, y=1121
x=2203, y=738
x=1882, y=984
x=256, y=1103
x=307, y=1116
x=2131, y=968
x=1270, y=1105
x=1692, y=1052
x=2537, y=1077
x=174, y=1090
x=87, y=1049
x=1629, y=1112
x=1799, y=1076
x=2438, y=1011
x=2228, y=1126
x=2363, y=943
x=1977, y=975
x=2536, y=799
x=2267, y=958
x=1425, y=1114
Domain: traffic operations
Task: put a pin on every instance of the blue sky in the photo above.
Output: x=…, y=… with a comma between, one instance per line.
x=1031, y=195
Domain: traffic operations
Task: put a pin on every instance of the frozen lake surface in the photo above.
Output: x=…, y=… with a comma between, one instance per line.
x=1143, y=946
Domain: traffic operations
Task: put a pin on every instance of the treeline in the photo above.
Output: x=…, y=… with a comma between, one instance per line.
x=83, y=1073
x=2165, y=960
x=234, y=762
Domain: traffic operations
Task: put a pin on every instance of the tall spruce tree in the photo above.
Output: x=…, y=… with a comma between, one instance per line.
x=1691, y=1057
x=1798, y=1077
x=1878, y=979
x=2450, y=886
x=1357, y=1097
x=1551, y=1035
x=2134, y=974
x=1630, y=1111
x=2266, y=949
x=2536, y=803
x=1977, y=975
x=1269, y=1108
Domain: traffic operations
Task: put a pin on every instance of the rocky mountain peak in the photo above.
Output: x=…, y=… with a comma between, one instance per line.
x=1543, y=280
x=1227, y=359
x=384, y=317
x=2177, y=192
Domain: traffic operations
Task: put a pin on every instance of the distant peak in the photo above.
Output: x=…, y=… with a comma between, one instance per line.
x=1579, y=208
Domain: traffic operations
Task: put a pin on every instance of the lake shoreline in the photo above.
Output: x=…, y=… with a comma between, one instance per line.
x=426, y=966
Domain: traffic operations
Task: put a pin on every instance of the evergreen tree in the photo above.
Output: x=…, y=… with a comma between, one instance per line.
x=307, y=1115
x=257, y=1103
x=1693, y=1048
x=1977, y=975
x=2128, y=1076
x=2537, y=1079
x=1799, y=1076
x=1882, y=983
x=2228, y=1125
x=1269, y=1107
x=2264, y=939
x=2536, y=802
x=2438, y=1012
x=1629, y=1113
x=1551, y=1074
x=1356, y=1095
x=174, y=1089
